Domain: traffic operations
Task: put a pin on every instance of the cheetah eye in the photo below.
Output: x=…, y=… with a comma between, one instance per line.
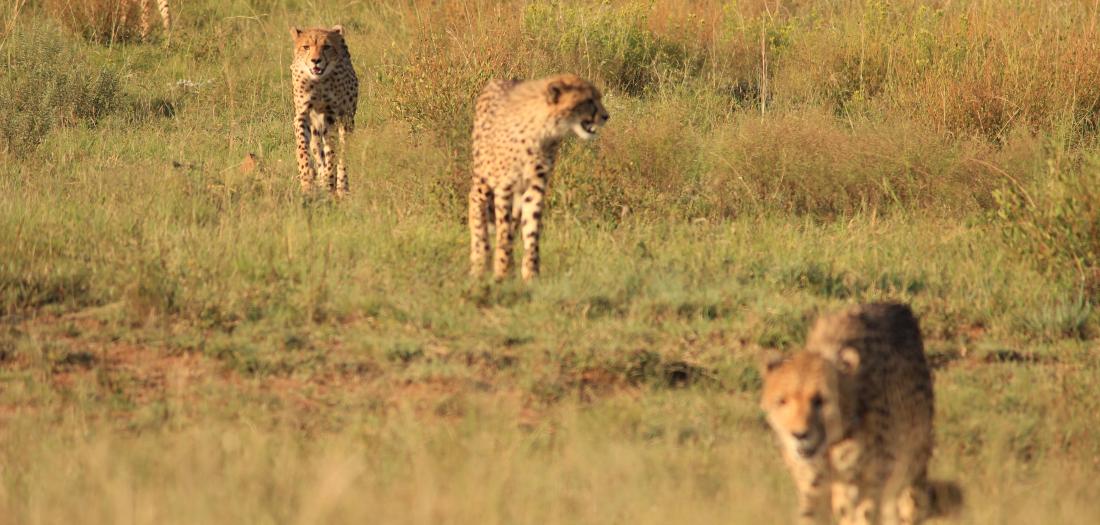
x=326, y=47
x=817, y=401
x=782, y=401
x=305, y=48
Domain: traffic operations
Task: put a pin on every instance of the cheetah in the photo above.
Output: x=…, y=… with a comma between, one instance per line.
x=518, y=129
x=147, y=15
x=326, y=92
x=853, y=415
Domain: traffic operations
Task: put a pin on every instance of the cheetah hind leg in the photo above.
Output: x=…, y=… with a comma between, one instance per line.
x=531, y=230
x=124, y=14
x=505, y=234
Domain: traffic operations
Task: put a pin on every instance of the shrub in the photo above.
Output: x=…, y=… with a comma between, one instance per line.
x=434, y=92
x=435, y=95
x=608, y=44
x=433, y=83
x=649, y=164
x=49, y=83
x=807, y=163
x=1055, y=218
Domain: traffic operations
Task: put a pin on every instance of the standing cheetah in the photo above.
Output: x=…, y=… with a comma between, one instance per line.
x=326, y=92
x=518, y=128
x=853, y=414
x=147, y=15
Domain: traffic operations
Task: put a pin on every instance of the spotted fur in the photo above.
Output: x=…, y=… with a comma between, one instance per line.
x=518, y=128
x=853, y=414
x=146, y=7
x=326, y=92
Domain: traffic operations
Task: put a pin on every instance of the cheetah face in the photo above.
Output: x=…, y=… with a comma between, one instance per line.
x=587, y=118
x=802, y=400
x=316, y=50
x=578, y=105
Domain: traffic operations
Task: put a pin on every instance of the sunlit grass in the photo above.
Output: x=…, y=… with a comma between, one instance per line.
x=186, y=340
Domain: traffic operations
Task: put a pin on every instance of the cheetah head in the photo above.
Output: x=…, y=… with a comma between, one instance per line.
x=316, y=50
x=807, y=398
x=577, y=104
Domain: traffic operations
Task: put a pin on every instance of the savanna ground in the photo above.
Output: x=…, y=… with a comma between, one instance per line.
x=184, y=339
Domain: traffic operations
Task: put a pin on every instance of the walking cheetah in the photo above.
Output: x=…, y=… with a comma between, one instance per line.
x=326, y=92
x=518, y=128
x=147, y=15
x=853, y=414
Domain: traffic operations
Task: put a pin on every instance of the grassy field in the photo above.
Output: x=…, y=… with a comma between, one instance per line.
x=184, y=339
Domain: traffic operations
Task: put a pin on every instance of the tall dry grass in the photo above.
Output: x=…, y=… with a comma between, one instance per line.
x=184, y=340
x=98, y=20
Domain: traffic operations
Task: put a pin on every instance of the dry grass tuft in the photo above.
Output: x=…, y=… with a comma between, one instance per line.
x=97, y=20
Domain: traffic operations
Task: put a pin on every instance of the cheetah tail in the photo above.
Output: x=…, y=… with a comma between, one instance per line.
x=945, y=498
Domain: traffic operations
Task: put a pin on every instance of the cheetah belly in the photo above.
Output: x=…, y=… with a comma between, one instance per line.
x=317, y=122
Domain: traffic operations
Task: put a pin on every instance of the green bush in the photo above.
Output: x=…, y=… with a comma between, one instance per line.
x=610, y=44
x=434, y=92
x=1055, y=218
x=49, y=82
x=435, y=96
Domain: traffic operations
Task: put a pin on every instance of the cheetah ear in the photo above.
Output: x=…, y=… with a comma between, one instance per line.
x=769, y=360
x=554, y=91
x=847, y=360
x=338, y=29
x=295, y=32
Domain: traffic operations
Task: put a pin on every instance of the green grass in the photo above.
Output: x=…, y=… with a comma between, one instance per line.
x=185, y=341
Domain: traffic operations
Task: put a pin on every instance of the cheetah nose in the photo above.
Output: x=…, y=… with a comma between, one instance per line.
x=316, y=60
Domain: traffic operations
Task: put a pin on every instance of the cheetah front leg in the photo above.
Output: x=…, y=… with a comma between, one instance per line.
x=478, y=218
x=888, y=509
x=914, y=500
x=855, y=505
x=893, y=481
x=811, y=480
x=924, y=499
x=502, y=261
x=165, y=16
x=146, y=14
x=124, y=13
x=317, y=157
x=302, y=135
x=328, y=159
x=856, y=489
x=532, y=224
x=341, y=162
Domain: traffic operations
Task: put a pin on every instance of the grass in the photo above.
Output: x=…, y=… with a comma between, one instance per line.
x=183, y=338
